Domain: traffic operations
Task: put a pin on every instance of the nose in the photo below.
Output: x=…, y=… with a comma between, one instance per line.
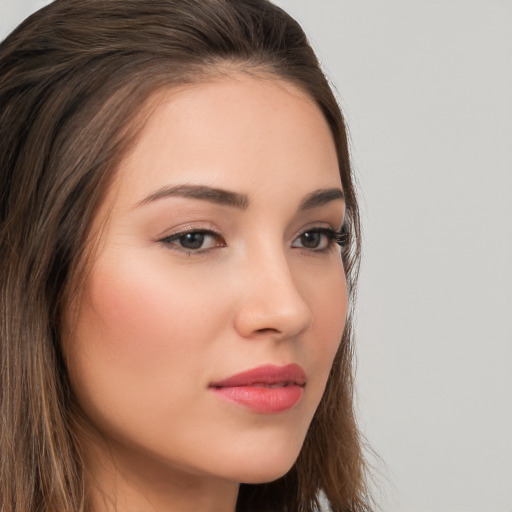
x=271, y=304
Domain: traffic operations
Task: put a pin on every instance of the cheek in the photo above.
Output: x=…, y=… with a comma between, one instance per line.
x=138, y=337
x=329, y=300
x=139, y=311
x=130, y=316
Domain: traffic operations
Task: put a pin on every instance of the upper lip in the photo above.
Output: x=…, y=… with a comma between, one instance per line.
x=290, y=374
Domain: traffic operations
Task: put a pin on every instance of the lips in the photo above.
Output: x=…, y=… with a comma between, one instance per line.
x=267, y=389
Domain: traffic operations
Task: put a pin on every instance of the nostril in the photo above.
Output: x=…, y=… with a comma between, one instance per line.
x=267, y=330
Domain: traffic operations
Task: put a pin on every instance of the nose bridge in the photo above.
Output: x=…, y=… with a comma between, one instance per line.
x=272, y=300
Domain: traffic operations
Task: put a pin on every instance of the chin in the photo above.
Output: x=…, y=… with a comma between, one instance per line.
x=265, y=466
x=262, y=453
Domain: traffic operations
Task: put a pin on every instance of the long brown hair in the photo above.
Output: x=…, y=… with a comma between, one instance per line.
x=73, y=80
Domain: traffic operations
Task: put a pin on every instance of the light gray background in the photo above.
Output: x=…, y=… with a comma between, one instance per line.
x=426, y=87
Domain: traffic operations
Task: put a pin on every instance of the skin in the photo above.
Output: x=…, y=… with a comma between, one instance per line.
x=157, y=323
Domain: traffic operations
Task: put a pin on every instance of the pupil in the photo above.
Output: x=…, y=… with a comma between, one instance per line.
x=311, y=240
x=192, y=240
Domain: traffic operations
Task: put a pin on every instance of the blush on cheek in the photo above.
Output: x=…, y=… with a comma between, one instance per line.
x=130, y=315
x=145, y=318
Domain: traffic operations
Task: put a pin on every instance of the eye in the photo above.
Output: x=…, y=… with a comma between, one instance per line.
x=193, y=240
x=318, y=239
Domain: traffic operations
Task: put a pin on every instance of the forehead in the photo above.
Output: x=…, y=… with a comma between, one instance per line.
x=238, y=132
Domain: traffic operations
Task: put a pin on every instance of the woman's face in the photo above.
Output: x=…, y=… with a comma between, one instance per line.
x=216, y=300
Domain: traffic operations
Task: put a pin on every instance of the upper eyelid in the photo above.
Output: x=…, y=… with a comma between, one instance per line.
x=207, y=231
x=177, y=234
x=318, y=226
x=337, y=235
x=188, y=228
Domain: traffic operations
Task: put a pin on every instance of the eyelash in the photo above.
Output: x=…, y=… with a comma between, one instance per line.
x=173, y=241
x=333, y=238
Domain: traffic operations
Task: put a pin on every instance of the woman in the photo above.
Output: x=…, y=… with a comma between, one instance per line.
x=175, y=189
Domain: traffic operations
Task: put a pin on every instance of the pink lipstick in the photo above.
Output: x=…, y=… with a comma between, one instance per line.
x=266, y=389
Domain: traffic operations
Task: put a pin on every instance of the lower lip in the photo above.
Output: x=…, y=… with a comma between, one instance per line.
x=261, y=399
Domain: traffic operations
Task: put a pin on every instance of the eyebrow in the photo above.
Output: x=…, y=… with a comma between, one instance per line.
x=321, y=197
x=210, y=194
x=236, y=200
